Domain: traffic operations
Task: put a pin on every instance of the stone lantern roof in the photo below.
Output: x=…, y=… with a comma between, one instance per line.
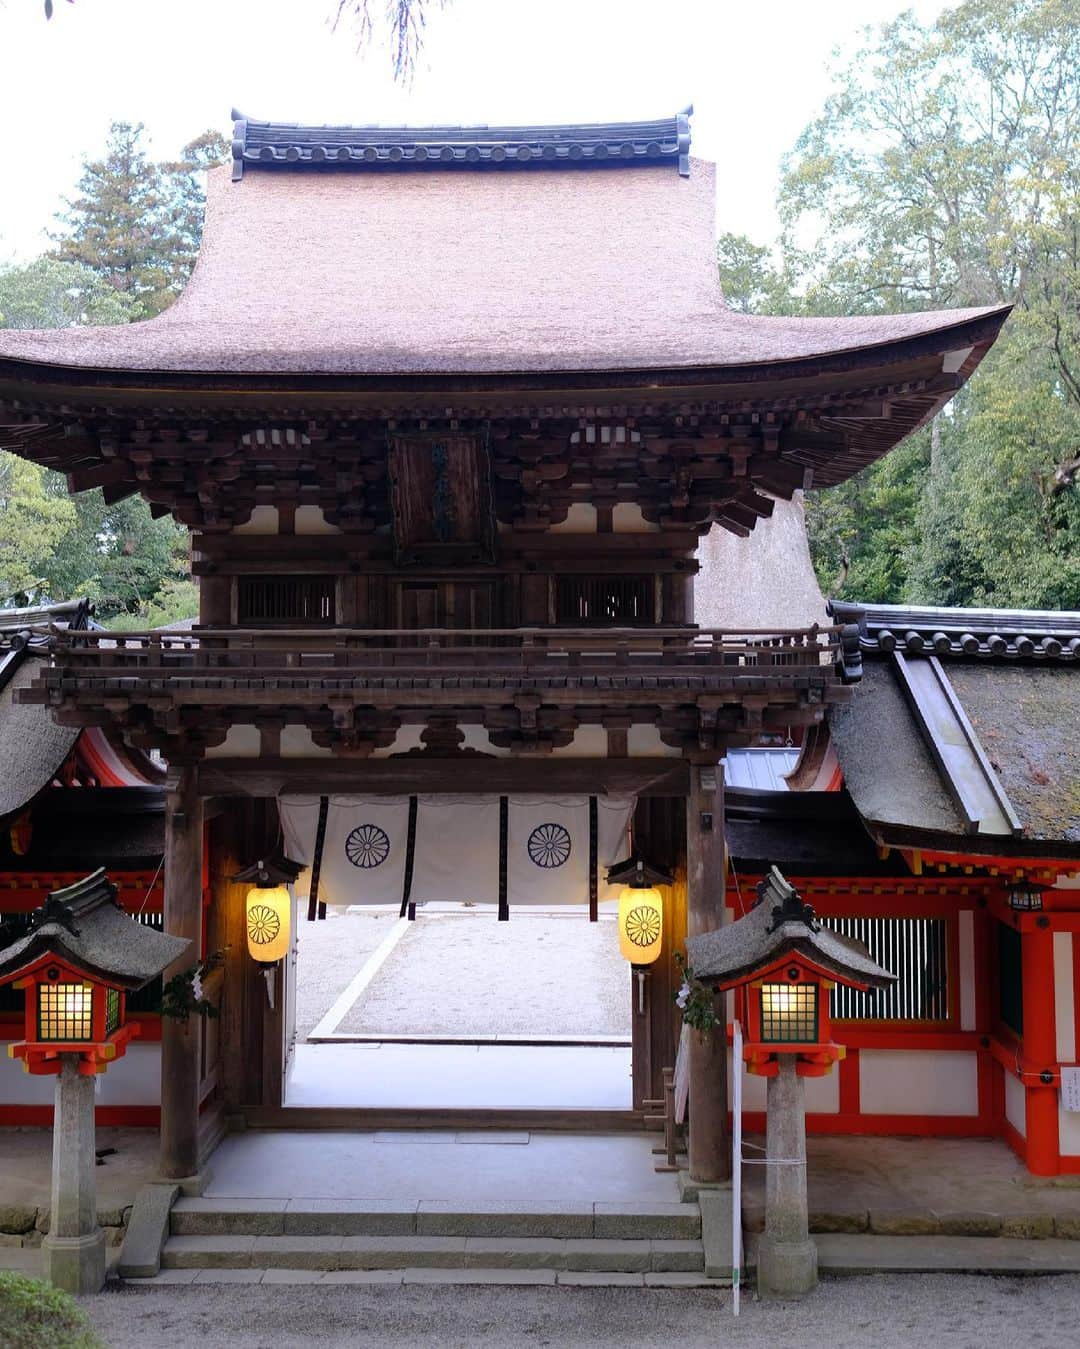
x=779, y=924
x=83, y=925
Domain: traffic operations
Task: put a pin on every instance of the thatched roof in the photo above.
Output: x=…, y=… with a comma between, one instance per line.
x=32, y=745
x=467, y=267
x=83, y=924
x=1003, y=707
x=776, y=926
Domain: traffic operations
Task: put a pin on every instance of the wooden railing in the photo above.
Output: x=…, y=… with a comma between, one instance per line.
x=543, y=652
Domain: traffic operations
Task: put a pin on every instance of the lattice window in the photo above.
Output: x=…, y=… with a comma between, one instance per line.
x=147, y=998
x=269, y=600
x=789, y=1013
x=622, y=601
x=65, y=1012
x=1010, y=978
x=916, y=951
x=112, y=1010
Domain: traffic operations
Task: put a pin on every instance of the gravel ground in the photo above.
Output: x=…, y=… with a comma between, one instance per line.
x=330, y=954
x=886, y=1312
x=467, y=974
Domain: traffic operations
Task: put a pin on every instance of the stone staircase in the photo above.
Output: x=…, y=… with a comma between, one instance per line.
x=341, y=1241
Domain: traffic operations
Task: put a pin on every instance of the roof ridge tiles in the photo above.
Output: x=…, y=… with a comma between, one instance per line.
x=298, y=145
x=1044, y=635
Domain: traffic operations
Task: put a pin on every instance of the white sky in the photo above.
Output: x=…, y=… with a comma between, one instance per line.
x=754, y=69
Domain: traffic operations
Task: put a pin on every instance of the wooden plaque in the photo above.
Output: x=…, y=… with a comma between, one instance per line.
x=440, y=490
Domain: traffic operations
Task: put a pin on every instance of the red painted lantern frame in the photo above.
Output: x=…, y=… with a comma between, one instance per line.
x=43, y=1057
x=814, y=1058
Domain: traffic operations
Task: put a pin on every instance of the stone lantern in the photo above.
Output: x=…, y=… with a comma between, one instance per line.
x=782, y=965
x=76, y=965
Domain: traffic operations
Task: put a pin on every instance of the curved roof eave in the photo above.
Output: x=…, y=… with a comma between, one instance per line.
x=45, y=357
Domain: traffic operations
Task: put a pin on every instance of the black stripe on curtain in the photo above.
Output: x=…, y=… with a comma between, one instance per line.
x=594, y=849
x=504, y=848
x=408, y=910
x=314, y=908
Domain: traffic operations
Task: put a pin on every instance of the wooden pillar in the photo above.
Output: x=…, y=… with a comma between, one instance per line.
x=183, y=918
x=1040, y=1050
x=710, y=1158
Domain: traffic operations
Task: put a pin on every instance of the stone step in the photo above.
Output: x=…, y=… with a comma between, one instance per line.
x=868, y=1254
x=387, y=1218
x=333, y=1253
x=567, y=1278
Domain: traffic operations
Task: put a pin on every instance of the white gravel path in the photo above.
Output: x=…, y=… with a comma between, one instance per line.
x=885, y=1312
x=467, y=974
x=329, y=954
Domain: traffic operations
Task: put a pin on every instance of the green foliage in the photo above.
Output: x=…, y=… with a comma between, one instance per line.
x=119, y=555
x=694, y=1000
x=34, y=1315
x=136, y=223
x=48, y=293
x=182, y=996
x=133, y=237
x=33, y=524
x=944, y=171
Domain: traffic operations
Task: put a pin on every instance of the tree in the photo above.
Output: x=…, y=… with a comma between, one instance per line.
x=404, y=21
x=32, y=524
x=944, y=171
x=48, y=293
x=53, y=546
x=136, y=224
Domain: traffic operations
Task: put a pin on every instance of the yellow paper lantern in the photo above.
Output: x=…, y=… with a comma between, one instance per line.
x=641, y=924
x=268, y=911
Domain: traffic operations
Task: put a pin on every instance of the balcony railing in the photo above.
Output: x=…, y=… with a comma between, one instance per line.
x=518, y=653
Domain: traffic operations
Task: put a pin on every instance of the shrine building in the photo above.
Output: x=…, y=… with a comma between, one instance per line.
x=458, y=419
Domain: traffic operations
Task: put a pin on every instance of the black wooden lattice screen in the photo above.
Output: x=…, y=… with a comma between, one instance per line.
x=625, y=600
x=285, y=599
x=915, y=950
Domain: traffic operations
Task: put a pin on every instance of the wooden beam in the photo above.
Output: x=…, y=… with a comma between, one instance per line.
x=710, y=1158
x=183, y=918
x=653, y=776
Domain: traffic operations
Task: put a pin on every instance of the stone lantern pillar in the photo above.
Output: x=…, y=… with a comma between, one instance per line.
x=782, y=963
x=76, y=965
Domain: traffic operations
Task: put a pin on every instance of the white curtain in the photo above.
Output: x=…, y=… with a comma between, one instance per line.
x=548, y=847
x=457, y=850
x=363, y=859
x=456, y=854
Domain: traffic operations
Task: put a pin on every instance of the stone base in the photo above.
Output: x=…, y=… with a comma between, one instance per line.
x=75, y=1264
x=191, y=1187
x=786, y=1269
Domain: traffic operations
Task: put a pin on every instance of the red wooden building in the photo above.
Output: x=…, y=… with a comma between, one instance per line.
x=72, y=800
x=935, y=817
x=449, y=411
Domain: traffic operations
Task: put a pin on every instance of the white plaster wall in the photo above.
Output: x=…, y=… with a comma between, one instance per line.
x=644, y=742
x=1015, y=1104
x=264, y=520
x=1069, y=1132
x=133, y=1080
x=822, y=1093
x=242, y=742
x=589, y=742
x=967, y=968
x=296, y=743
x=626, y=518
x=1064, y=997
x=310, y=520
x=580, y=519
x=918, y=1082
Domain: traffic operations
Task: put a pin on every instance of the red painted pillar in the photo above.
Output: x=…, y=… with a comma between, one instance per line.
x=1040, y=1050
